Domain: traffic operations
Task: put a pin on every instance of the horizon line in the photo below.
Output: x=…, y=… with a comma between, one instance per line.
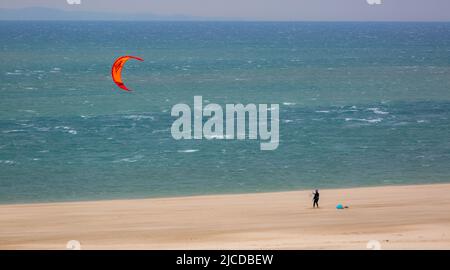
x=227, y=20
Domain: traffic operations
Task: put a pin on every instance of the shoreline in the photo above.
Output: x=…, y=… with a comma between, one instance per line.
x=156, y=197
x=399, y=217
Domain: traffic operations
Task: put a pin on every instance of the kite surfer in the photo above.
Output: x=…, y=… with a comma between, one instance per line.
x=316, y=199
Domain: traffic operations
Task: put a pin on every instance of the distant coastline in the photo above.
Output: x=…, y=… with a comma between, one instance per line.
x=74, y=14
x=52, y=14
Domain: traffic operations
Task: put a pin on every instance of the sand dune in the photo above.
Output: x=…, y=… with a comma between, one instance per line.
x=401, y=217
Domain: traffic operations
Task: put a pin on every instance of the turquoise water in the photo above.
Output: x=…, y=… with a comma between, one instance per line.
x=361, y=104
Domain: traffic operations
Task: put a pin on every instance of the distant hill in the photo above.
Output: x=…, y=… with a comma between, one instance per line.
x=39, y=13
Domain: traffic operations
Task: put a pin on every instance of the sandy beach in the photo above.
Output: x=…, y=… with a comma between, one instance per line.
x=400, y=217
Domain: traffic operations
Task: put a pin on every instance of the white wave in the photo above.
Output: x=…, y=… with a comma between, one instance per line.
x=27, y=111
x=376, y=120
x=8, y=162
x=422, y=121
x=138, y=117
x=130, y=159
x=288, y=121
x=289, y=103
x=13, y=131
x=67, y=129
x=322, y=111
x=188, y=151
x=377, y=111
x=42, y=129
x=62, y=127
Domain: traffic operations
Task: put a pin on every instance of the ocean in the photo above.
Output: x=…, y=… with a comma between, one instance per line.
x=361, y=104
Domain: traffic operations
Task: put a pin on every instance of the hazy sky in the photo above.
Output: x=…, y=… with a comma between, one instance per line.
x=391, y=10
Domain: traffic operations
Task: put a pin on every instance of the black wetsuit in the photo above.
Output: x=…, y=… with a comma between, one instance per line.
x=316, y=199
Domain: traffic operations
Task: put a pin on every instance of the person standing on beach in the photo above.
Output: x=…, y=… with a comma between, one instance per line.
x=316, y=199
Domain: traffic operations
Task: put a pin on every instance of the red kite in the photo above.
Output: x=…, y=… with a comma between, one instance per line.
x=116, y=70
